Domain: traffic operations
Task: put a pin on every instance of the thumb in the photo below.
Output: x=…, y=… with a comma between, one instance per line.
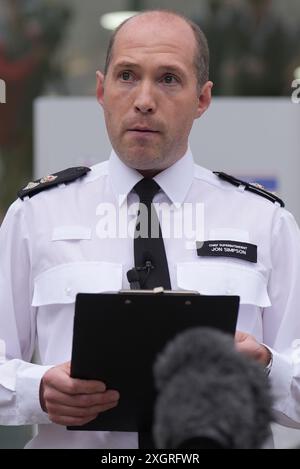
x=240, y=336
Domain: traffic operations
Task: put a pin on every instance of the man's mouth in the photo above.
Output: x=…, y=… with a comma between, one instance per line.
x=143, y=130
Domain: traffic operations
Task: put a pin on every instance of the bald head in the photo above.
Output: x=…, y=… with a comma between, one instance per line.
x=189, y=31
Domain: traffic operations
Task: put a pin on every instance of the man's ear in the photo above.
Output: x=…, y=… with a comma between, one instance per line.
x=100, y=87
x=204, y=99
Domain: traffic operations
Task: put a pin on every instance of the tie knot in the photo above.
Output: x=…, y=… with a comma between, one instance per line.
x=146, y=190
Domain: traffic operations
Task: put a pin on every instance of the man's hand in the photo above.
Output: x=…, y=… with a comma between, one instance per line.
x=247, y=344
x=71, y=401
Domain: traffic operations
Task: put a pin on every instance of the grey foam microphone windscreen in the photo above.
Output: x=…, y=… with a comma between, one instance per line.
x=208, y=392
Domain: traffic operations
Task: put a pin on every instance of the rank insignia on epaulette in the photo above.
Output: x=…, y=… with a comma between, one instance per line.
x=251, y=187
x=48, y=179
x=31, y=185
x=53, y=180
x=259, y=186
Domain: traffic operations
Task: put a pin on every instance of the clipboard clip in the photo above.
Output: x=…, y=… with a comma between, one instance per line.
x=159, y=291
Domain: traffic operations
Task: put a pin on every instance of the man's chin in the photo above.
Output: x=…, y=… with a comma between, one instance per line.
x=142, y=162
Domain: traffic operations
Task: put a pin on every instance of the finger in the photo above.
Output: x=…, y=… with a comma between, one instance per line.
x=55, y=409
x=67, y=420
x=246, y=348
x=81, y=386
x=67, y=367
x=51, y=395
x=239, y=346
x=67, y=385
x=240, y=336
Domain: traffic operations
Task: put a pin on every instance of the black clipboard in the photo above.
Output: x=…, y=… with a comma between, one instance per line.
x=117, y=337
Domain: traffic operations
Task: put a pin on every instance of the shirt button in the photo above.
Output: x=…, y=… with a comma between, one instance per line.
x=229, y=291
x=68, y=291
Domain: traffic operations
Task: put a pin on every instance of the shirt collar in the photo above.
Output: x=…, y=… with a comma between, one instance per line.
x=174, y=181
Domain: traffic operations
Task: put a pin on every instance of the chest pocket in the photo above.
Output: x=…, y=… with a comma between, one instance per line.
x=61, y=284
x=224, y=279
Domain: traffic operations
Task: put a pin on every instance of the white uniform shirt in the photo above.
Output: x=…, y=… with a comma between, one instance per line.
x=50, y=249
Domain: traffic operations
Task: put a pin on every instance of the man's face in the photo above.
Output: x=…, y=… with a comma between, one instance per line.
x=150, y=95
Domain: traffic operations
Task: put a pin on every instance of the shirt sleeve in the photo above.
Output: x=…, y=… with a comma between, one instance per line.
x=281, y=322
x=19, y=379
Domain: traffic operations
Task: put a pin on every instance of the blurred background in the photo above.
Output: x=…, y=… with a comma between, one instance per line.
x=53, y=48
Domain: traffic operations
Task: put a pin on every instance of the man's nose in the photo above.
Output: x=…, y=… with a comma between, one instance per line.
x=145, y=99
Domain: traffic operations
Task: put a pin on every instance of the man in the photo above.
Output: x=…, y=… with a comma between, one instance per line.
x=155, y=85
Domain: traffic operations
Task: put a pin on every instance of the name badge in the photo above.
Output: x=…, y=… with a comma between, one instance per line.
x=236, y=249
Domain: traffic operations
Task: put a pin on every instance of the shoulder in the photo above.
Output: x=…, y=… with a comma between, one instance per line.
x=65, y=177
x=250, y=187
x=53, y=180
x=226, y=182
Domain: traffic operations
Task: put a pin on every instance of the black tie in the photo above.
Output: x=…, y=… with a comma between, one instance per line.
x=149, y=251
x=149, y=256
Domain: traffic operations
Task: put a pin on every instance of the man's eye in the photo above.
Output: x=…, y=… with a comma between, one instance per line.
x=126, y=76
x=170, y=79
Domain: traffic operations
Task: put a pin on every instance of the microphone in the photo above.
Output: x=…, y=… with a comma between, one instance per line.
x=209, y=395
x=133, y=275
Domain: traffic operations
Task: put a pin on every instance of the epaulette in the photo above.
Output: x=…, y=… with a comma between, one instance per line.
x=251, y=187
x=62, y=177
